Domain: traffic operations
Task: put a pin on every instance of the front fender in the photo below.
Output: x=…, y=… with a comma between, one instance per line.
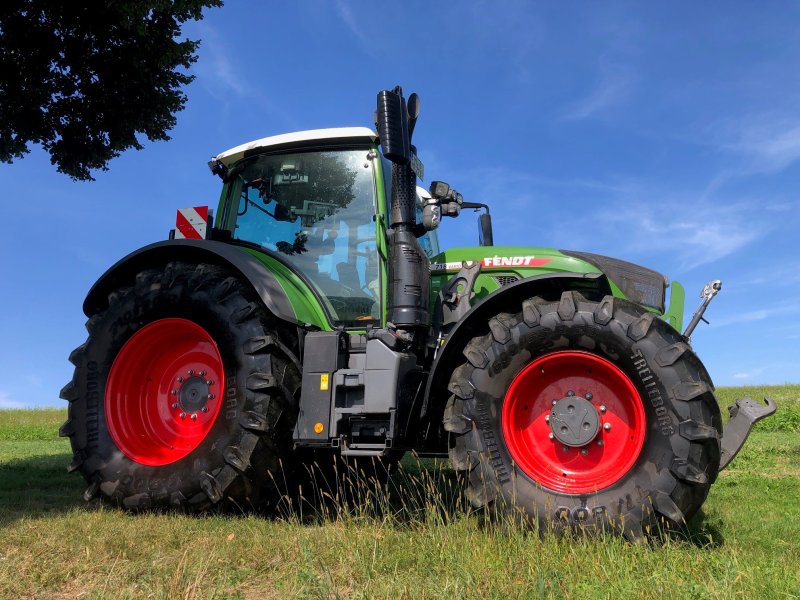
x=506, y=299
x=264, y=282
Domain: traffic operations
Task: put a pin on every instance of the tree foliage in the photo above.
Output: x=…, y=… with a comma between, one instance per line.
x=87, y=79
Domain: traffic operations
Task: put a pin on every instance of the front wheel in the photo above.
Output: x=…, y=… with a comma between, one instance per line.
x=585, y=415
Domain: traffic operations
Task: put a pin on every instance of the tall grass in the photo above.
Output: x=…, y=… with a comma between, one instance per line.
x=413, y=536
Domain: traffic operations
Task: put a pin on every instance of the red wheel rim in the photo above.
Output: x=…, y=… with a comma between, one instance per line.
x=163, y=391
x=596, y=464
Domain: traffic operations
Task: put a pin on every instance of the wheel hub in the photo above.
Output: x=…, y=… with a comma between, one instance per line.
x=193, y=394
x=163, y=389
x=574, y=421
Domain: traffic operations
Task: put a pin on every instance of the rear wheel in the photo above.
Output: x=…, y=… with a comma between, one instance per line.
x=183, y=395
x=585, y=415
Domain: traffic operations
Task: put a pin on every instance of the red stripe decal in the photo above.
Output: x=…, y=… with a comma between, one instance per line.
x=202, y=211
x=186, y=228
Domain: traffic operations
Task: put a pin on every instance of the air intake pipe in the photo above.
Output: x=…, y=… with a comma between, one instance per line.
x=409, y=277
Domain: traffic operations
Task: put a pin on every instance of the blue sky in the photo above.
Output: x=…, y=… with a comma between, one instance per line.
x=667, y=134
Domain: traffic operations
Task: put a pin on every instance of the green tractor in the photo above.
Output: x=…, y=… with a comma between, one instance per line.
x=315, y=318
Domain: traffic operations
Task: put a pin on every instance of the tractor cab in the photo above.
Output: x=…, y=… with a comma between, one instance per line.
x=317, y=200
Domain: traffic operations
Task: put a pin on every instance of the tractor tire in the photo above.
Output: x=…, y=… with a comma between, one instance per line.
x=184, y=395
x=582, y=415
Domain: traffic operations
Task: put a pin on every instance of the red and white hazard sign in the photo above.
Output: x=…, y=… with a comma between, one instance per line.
x=191, y=223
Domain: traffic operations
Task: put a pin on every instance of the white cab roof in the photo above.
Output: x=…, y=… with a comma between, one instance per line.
x=365, y=134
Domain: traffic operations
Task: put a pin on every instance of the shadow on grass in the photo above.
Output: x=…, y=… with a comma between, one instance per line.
x=703, y=532
x=420, y=492
x=37, y=486
x=426, y=492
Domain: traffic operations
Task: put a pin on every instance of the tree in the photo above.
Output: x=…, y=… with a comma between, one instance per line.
x=86, y=79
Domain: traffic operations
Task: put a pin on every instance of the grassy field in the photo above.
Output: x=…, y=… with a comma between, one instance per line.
x=745, y=543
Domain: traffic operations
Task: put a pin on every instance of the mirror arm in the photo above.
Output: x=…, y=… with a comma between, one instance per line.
x=476, y=206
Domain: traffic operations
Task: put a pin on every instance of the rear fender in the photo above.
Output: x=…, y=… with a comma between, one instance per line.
x=508, y=298
x=255, y=272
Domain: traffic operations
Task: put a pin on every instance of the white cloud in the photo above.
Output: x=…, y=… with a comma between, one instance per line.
x=767, y=143
x=682, y=227
x=487, y=180
x=780, y=276
x=349, y=19
x=517, y=33
x=773, y=146
x=215, y=70
x=7, y=403
x=627, y=218
x=757, y=315
x=774, y=372
x=704, y=239
x=613, y=87
x=219, y=73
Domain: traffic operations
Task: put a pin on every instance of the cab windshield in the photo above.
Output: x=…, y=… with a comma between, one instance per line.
x=316, y=209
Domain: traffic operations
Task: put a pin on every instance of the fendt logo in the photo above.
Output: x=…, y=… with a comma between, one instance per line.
x=514, y=261
x=496, y=262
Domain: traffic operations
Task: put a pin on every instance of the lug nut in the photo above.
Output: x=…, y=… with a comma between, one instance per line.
x=570, y=393
x=202, y=373
x=599, y=442
x=180, y=379
x=589, y=395
x=565, y=449
x=210, y=396
x=204, y=409
x=603, y=408
x=194, y=416
x=183, y=415
x=554, y=402
x=607, y=426
x=551, y=436
x=191, y=372
x=209, y=382
x=174, y=392
x=584, y=452
x=174, y=405
x=547, y=418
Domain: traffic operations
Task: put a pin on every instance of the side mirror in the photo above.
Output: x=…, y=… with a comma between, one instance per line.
x=485, y=236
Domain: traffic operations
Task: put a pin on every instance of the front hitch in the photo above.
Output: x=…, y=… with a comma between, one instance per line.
x=743, y=415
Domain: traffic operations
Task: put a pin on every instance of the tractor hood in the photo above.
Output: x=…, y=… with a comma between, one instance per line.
x=502, y=265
